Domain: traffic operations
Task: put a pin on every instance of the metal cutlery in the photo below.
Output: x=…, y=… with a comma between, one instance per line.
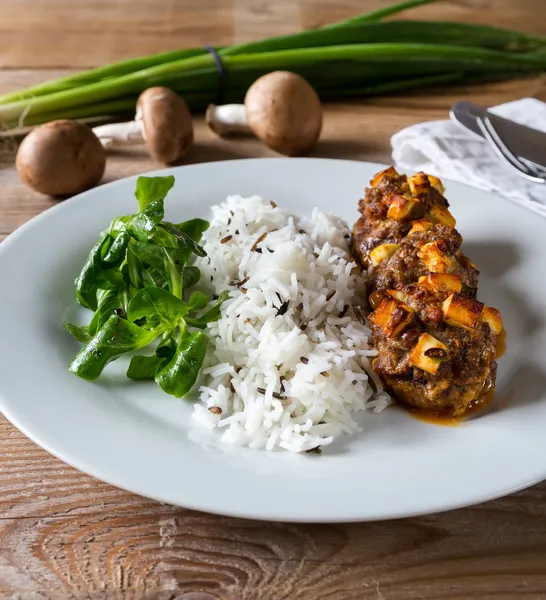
x=503, y=152
x=519, y=146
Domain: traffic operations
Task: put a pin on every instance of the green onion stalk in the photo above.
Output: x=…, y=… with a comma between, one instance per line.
x=361, y=56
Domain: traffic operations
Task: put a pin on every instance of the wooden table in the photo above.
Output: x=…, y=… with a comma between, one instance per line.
x=66, y=535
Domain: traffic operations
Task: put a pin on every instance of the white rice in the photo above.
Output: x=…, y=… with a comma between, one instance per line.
x=287, y=371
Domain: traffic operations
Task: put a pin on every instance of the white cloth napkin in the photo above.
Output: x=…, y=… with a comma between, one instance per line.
x=446, y=149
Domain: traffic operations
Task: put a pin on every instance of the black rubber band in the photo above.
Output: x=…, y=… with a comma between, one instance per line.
x=221, y=73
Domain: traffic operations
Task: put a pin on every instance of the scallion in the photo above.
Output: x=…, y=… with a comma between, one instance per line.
x=359, y=56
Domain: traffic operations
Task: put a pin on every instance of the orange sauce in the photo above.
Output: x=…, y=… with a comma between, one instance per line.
x=449, y=421
x=501, y=343
x=432, y=417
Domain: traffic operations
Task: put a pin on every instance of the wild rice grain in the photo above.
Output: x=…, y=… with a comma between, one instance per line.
x=343, y=312
x=330, y=295
x=282, y=309
x=359, y=315
x=226, y=239
x=260, y=239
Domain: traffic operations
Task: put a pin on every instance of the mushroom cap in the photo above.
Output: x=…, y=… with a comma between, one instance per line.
x=284, y=112
x=167, y=124
x=61, y=158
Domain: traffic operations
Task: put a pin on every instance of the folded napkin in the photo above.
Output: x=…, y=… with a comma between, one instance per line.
x=447, y=149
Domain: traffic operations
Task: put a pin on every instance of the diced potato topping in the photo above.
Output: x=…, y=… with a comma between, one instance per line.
x=441, y=282
x=392, y=316
x=420, y=225
x=437, y=184
x=401, y=208
x=440, y=214
x=390, y=172
x=493, y=318
x=428, y=354
x=400, y=296
x=435, y=260
x=382, y=252
x=461, y=311
x=418, y=183
x=375, y=299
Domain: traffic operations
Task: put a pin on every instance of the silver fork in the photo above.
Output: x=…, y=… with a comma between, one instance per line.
x=526, y=168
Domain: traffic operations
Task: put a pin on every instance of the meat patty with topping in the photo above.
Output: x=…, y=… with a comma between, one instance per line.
x=436, y=342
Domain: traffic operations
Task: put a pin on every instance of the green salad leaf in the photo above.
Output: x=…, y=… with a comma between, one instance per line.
x=117, y=250
x=211, y=315
x=154, y=302
x=179, y=375
x=146, y=367
x=79, y=332
x=116, y=337
x=149, y=189
x=162, y=260
x=190, y=276
x=136, y=280
x=109, y=302
x=91, y=276
x=184, y=240
x=197, y=301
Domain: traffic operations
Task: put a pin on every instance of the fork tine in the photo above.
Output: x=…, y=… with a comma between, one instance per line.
x=503, y=151
x=528, y=166
x=538, y=169
x=504, y=148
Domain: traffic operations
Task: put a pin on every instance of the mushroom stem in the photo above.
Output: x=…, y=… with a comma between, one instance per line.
x=113, y=135
x=226, y=119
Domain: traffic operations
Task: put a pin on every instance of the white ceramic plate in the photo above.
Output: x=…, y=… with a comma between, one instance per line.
x=134, y=436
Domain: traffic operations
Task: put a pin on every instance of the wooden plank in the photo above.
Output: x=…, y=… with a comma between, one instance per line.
x=64, y=33
x=520, y=15
x=91, y=33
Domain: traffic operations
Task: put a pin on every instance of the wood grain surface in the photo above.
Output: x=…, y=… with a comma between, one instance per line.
x=66, y=535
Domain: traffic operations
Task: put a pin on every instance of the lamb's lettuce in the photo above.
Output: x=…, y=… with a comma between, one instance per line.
x=136, y=281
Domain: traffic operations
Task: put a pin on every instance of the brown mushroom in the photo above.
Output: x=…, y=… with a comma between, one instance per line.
x=280, y=108
x=162, y=120
x=61, y=158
